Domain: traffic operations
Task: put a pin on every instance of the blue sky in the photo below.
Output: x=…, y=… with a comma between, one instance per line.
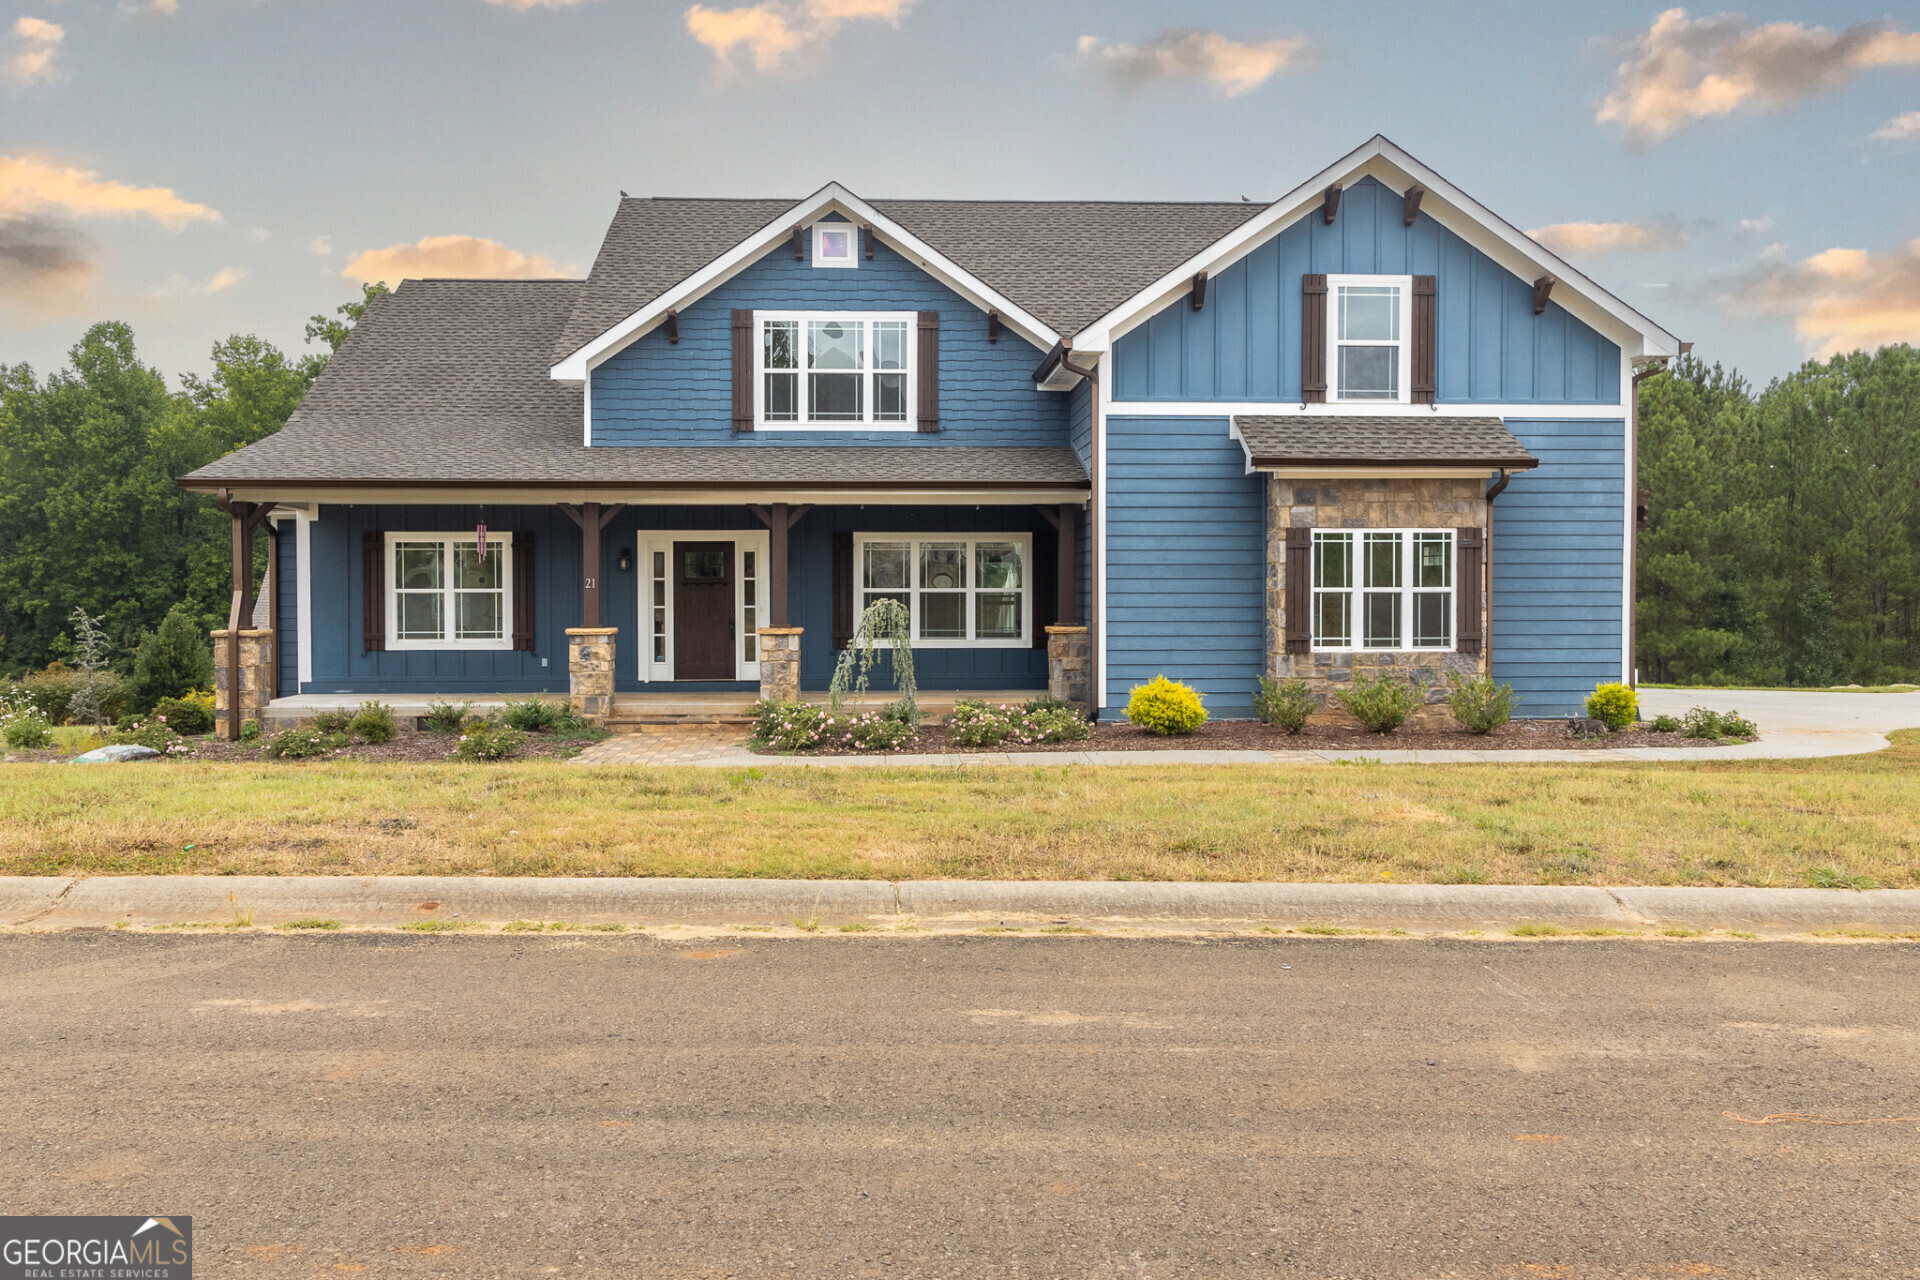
x=1730, y=163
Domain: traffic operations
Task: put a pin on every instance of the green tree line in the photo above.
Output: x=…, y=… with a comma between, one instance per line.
x=1783, y=541
x=89, y=515
x=1782, y=546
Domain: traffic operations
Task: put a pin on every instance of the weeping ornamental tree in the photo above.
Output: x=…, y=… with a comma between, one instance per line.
x=885, y=622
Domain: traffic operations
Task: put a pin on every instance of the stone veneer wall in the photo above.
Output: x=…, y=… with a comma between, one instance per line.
x=1366, y=504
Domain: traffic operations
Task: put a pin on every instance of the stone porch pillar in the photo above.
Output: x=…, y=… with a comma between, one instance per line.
x=780, y=663
x=1069, y=672
x=255, y=668
x=590, y=671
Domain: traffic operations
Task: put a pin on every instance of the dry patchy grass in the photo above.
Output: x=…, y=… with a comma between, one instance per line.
x=1738, y=822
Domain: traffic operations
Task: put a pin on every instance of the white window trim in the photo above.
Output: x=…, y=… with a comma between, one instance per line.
x=760, y=319
x=498, y=544
x=649, y=541
x=1406, y=590
x=1025, y=542
x=853, y=244
x=1405, y=285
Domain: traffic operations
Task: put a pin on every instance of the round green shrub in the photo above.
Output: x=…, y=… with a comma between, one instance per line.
x=176, y=658
x=1614, y=705
x=1480, y=704
x=531, y=715
x=187, y=716
x=488, y=740
x=29, y=733
x=1285, y=704
x=1382, y=704
x=975, y=724
x=446, y=717
x=301, y=744
x=332, y=720
x=1165, y=706
x=374, y=723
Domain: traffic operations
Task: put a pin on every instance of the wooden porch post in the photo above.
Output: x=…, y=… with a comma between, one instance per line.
x=1066, y=595
x=590, y=564
x=777, y=557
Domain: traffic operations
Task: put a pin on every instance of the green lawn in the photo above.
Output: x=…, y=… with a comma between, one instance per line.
x=1852, y=820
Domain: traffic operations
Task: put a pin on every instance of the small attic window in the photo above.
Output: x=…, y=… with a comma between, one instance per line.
x=835, y=244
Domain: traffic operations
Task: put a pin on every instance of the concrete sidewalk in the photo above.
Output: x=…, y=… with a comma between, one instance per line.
x=390, y=901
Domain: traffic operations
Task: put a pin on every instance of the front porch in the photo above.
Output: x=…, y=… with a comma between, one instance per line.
x=632, y=712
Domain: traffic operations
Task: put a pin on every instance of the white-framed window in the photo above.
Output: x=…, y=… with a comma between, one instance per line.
x=441, y=594
x=1368, y=348
x=1383, y=589
x=961, y=589
x=834, y=370
x=836, y=244
x=656, y=567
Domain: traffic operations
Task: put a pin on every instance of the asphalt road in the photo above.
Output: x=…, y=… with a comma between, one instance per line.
x=961, y=1107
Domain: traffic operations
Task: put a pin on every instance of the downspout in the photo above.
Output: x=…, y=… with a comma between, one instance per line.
x=1095, y=535
x=1494, y=490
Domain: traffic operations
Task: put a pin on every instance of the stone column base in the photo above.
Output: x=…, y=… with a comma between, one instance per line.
x=590, y=671
x=780, y=663
x=256, y=677
x=1069, y=671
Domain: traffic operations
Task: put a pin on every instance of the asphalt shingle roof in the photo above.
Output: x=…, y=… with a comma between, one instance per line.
x=1067, y=262
x=445, y=382
x=1388, y=440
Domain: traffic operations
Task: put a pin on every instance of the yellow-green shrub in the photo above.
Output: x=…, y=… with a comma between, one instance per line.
x=1166, y=707
x=1613, y=705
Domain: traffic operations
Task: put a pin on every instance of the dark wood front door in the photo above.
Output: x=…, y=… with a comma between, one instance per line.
x=703, y=611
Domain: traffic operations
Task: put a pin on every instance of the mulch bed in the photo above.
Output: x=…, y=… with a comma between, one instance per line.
x=1252, y=735
x=411, y=746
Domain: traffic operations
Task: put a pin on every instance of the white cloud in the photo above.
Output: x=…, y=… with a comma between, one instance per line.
x=1756, y=226
x=35, y=41
x=1231, y=67
x=32, y=182
x=320, y=246
x=182, y=287
x=1591, y=239
x=769, y=32
x=1685, y=69
x=259, y=235
x=1838, y=300
x=450, y=257
x=1902, y=128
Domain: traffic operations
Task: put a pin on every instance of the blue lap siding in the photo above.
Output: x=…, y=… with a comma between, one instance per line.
x=1559, y=541
x=1186, y=561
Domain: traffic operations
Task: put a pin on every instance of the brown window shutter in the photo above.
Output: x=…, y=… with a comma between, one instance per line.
x=1466, y=589
x=929, y=371
x=1299, y=598
x=743, y=370
x=1313, y=339
x=1423, y=357
x=523, y=628
x=842, y=589
x=373, y=592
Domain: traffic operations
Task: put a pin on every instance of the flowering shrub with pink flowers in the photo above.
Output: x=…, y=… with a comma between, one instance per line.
x=799, y=726
x=152, y=732
x=978, y=724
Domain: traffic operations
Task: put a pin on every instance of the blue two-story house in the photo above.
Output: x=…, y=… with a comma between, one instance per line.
x=1369, y=426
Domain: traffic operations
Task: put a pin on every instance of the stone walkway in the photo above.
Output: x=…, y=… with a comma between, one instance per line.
x=1793, y=726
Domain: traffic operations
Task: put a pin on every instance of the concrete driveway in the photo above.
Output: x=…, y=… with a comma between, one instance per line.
x=1792, y=711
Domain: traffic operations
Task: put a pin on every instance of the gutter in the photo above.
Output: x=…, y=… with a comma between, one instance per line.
x=1096, y=539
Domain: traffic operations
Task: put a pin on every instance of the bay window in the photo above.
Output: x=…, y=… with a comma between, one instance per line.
x=834, y=370
x=1383, y=589
x=958, y=589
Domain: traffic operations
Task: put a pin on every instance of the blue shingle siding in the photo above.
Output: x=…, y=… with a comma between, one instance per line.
x=1559, y=540
x=1245, y=343
x=656, y=392
x=286, y=605
x=1186, y=561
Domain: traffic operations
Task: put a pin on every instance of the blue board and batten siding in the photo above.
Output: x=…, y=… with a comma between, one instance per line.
x=1559, y=548
x=286, y=605
x=659, y=392
x=1244, y=344
x=1186, y=561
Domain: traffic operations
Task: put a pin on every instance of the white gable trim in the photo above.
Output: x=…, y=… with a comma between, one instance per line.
x=1445, y=203
x=832, y=198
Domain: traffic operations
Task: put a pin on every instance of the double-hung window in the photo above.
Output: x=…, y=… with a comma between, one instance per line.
x=443, y=595
x=1367, y=323
x=1383, y=589
x=827, y=371
x=959, y=590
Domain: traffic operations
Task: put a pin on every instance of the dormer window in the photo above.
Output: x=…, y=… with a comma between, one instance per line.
x=835, y=244
x=1367, y=327
x=835, y=370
